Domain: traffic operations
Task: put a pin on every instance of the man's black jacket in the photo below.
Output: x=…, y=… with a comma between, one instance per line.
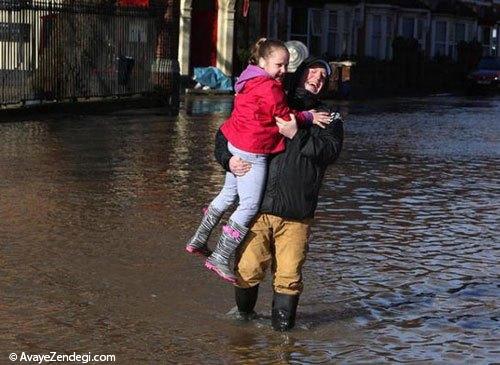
x=295, y=175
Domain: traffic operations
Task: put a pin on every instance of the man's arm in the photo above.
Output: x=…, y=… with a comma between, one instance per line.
x=222, y=154
x=323, y=145
x=230, y=163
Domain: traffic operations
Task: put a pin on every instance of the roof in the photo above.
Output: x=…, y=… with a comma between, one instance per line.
x=314, y=3
x=410, y=4
x=457, y=8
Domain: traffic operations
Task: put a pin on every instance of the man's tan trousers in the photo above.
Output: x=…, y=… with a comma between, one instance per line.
x=282, y=243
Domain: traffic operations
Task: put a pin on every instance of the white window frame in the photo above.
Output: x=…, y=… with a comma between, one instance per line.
x=418, y=19
x=376, y=52
x=315, y=29
x=413, y=30
x=357, y=23
x=333, y=32
x=389, y=35
x=390, y=28
x=347, y=31
x=343, y=33
x=434, y=37
x=420, y=38
x=453, y=40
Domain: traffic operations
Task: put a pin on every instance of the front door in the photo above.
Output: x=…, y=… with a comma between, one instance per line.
x=204, y=33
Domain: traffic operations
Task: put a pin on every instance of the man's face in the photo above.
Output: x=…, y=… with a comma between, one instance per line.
x=313, y=79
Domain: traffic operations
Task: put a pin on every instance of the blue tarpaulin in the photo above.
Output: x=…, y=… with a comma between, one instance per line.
x=213, y=78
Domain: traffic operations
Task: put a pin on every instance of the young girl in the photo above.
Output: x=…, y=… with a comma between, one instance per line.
x=252, y=134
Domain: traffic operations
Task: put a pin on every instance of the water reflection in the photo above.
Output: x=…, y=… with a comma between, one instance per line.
x=403, y=266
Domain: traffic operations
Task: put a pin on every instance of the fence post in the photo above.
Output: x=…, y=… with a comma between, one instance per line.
x=165, y=69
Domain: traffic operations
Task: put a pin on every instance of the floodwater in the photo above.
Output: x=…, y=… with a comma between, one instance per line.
x=403, y=267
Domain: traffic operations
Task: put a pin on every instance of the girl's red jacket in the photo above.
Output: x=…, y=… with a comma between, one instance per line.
x=251, y=126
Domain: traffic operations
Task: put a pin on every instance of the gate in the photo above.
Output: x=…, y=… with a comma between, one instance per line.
x=67, y=49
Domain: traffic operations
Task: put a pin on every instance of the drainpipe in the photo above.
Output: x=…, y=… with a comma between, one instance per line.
x=165, y=68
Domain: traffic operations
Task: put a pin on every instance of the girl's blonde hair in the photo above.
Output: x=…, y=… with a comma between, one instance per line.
x=263, y=48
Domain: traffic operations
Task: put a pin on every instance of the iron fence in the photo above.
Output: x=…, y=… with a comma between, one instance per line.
x=67, y=49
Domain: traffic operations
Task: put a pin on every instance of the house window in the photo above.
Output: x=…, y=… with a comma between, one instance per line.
x=347, y=32
x=408, y=26
x=357, y=17
x=299, y=20
x=332, y=33
x=355, y=34
x=376, y=35
x=458, y=36
x=486, y=39
x=451, y=40
x=459, y=32
x=420, y=29
x=440, y=39
x=306, y=26
x=420, y=33
x=316, y=30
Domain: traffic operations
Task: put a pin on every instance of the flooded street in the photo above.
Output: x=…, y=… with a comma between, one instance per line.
x=404, y=265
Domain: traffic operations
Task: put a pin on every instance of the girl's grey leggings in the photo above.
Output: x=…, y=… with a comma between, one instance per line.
x=248, y=188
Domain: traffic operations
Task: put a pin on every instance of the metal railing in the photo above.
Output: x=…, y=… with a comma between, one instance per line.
x=67, y=49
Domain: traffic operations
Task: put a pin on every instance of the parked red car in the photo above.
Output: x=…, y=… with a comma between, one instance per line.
x=486, y=74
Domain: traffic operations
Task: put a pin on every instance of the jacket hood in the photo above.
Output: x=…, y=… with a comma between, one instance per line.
x=298, y=97
x=249, y=73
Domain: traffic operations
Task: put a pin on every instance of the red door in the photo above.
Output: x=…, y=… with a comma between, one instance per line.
x=204, y=33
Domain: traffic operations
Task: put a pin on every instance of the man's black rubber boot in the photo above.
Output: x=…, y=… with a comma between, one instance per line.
x=245, y=300
x=284, y=311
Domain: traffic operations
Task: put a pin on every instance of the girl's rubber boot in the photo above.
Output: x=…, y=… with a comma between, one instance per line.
x=198, y=243
x=218, y=262
x=284, y=311
x=245, y=300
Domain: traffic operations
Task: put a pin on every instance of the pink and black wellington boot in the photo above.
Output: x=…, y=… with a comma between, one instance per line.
x=218, y=262
x=198, y=243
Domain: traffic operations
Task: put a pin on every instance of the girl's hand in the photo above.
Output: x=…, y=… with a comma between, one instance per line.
x=288, y=129
x=238, y=166
x=321, y=119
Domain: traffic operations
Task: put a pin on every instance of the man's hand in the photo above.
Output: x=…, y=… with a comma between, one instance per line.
x=321, y=119
x=238, y=166
x=288, y=129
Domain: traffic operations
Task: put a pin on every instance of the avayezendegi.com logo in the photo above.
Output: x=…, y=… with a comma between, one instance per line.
x=56, y=357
